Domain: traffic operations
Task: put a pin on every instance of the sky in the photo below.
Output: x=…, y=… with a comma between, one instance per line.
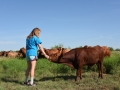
x=71, y=23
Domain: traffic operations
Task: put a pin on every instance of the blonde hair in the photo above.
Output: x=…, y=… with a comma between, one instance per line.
x=34, y=32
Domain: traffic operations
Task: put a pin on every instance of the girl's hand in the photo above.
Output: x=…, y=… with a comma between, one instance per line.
x=47, y=56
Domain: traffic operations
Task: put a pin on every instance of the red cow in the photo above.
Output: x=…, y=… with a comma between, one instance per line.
x=3, y=53
x=12, y=54
x=40, y=54
x=47, y=51
x=106, y=51
x=55, y=50
x=65, y=50
x=52, y=51
x=78, y=57
x=22, y=52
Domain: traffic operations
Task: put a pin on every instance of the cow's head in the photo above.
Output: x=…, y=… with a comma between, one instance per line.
x=106, y=51
x=55, y=57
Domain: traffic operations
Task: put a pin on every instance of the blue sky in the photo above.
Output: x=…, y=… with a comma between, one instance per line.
x=72, y=23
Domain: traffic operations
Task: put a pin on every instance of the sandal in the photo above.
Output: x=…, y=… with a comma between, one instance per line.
x=31, y=84
x=26, y=83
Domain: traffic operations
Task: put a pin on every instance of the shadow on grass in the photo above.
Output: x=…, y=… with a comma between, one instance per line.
x=57, y=78
x=54, y=78
x=10, y=80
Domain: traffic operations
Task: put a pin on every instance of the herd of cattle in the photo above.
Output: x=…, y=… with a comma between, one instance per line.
x=22, y=52
x=75, y=58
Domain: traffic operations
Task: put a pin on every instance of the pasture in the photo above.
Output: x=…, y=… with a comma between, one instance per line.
x=52, y=76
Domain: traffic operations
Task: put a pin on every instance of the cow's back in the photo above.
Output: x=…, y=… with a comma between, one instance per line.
x=89, y=56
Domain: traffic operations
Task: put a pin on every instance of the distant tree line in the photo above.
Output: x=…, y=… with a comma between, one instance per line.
x=111, y=49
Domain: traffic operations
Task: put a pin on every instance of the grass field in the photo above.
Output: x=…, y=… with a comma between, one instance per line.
x=51, y=76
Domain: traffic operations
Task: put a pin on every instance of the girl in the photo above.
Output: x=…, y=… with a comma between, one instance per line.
x=32, y=44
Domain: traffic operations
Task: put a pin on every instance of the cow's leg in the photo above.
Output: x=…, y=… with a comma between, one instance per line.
x=101, y=69
x=79, y=73
x=98, y=65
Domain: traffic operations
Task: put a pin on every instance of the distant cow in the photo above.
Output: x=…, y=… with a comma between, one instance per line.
x=3, y=53
x=22, y=52
x=47, y=51
x=40, y=54
x=78, y=57
x=12, y=54
x=65, y=50
x=55, y=50
x=51, y=51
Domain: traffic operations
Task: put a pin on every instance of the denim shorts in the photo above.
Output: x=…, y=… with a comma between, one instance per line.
x=31, y=58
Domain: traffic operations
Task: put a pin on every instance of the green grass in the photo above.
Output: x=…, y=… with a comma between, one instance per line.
x=111, y=65
x=52, y=76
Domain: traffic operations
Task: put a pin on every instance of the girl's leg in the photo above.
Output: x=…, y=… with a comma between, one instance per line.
x=27, y=71
x=32, y=71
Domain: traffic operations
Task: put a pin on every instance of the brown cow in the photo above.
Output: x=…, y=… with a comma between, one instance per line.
x=40, y=54
x=3, y=53
x=51, y=51
x=47, y=51
x=22, y=52
x=12, y=54
x=106, y=51
x=65, y=50
x=55, y=50
x=78, y=57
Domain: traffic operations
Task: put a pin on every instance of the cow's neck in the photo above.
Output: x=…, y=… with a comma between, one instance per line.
x=65, y=61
